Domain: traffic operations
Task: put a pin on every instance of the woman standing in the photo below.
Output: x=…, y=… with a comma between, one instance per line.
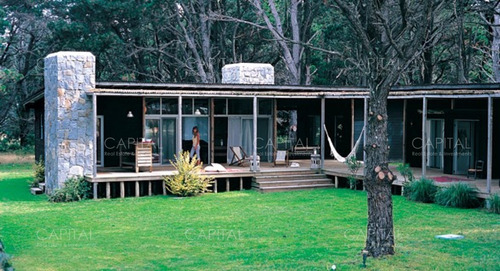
x=196, y=144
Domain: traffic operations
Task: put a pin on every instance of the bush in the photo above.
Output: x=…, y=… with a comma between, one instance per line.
x=74, y=189
x=405, y=171
x=458, y=195
x=4, y=259
x=187, y=181
x=353, y=165
x=495, y=203
x=39, y=173
x=422, y=190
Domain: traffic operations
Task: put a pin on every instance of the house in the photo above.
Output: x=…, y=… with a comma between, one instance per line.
x=91, y=126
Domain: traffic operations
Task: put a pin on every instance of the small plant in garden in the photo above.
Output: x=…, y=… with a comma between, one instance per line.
x=353, y=165
x=187, y=181
x=495, y=203
x=422, y=190
x=39, y=173
x=405, y=171
x=74, y=189
x=458, y=195
x=4, y=259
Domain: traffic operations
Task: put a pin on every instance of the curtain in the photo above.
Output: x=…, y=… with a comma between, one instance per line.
x=233, y=135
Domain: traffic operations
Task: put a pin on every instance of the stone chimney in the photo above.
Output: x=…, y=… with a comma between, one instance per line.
x=69, y=146
x=248, y=73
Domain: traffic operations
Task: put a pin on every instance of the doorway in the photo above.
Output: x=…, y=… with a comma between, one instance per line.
x=463, y=149
x=435, y=143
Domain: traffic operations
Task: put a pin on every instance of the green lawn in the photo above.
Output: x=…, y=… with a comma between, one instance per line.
x=304, y=230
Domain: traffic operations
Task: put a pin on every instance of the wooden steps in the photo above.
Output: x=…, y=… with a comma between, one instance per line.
x=293, y=180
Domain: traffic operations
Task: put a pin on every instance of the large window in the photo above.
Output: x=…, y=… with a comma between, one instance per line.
x=161, y=106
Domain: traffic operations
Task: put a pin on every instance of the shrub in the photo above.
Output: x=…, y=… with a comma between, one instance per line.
x=405, y=171
x=4, y=259
x=458, y=195
x=422, y=190
x=187, y=181
x=39, y=173
x=495, y=203
x=353, y=165
x=74, y=189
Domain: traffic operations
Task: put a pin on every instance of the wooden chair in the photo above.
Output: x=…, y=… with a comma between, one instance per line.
x=478, y=170
x=239, y=156
x=281, y=158
x=143, y=156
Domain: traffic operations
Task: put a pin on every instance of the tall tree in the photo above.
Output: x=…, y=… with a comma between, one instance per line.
x=392, y=33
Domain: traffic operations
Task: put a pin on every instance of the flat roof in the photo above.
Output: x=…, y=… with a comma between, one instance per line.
x=287, y=91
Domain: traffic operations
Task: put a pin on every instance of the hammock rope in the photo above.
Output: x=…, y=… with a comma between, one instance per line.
x=334, y=151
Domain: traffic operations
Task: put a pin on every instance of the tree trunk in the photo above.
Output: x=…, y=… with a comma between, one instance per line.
x=378, y=178
x=495, y=44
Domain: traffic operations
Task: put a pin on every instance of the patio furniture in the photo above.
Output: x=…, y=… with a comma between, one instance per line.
x=143, y=157
x=240, y=157
x=281, y=157
x=478, y=170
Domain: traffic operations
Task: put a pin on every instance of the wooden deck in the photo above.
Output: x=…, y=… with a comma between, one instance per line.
x=236, y=178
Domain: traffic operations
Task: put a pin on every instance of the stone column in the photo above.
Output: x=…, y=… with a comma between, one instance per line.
x=69, y=133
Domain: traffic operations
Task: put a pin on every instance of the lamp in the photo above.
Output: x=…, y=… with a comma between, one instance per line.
x=197, y=112
x=130, y=115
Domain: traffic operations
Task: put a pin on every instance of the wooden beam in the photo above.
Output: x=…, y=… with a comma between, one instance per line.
x=228, y=186
x=212, y=132
x=122, y=189
x=353, y=139
x=137, y=189
x=254, y=152
x=150, y=189
x=241, y=183
x=405, y=102
x=424, y=136
x=179, y=124
x=215, y=186
x=94, y=135
x=322, y=134
x=490, y=146
x=164, y=188
x=275, y=126
x=365, y=124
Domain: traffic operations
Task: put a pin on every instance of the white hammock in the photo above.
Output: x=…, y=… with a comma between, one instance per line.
x=334, y=152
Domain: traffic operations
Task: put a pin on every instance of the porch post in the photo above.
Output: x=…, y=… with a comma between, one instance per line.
x=365, y=121
x=254, y=152
x=179, y=124
x=322, y=143
x=94, y=136
x=490, y=145
x=424, y=136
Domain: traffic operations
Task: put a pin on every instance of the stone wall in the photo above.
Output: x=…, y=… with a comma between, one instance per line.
x=248, y=73
x=68, y=117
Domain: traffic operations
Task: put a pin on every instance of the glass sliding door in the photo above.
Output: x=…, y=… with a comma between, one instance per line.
x=463, y=151
x=100, y=141
x=151, y=134
x=187, y=135
x=168, y=139
x=435, y=143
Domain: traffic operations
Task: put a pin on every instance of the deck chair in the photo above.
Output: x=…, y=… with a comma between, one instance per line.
x=478, y=170
x=281, y=158
x=239, y=156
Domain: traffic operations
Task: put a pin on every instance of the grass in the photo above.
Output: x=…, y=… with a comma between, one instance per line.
x=303, y=230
